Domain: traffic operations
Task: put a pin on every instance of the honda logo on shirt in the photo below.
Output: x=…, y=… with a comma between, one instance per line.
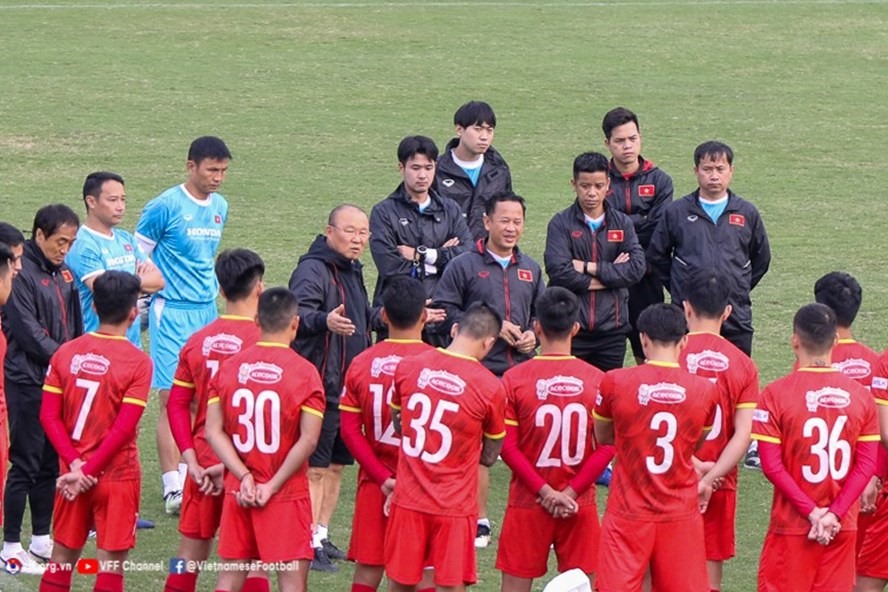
x=737, y=219
x=646, y=190
x=525, y=275
x=614, y=236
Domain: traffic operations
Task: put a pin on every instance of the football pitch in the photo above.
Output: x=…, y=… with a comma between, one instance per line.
x=313, y=97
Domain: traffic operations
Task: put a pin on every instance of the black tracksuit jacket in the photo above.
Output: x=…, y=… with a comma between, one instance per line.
x=643, y=196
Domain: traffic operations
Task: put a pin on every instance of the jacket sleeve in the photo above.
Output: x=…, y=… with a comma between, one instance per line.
x=307, y=283
x=538, y=291
x=76, y=310
x=759, y=253
x=24, y=325
x=558, y=259
x=659, y=252
x=458, y=229
x=475, y=218
x=662, y=199
x=384, y=245
x=449, y=293
x=623, y=275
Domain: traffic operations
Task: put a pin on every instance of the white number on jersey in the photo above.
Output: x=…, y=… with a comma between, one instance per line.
x=717, y=424
x=664, y=442
x=382, y=435
x=827, y=448
x=264, y=438
x=92, y=387
x=573, y=419
x=213, y=367
x=416, y=448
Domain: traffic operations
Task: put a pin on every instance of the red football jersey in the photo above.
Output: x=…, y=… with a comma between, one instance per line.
x=199, y=361
x=263, y=392
x=660, y=413
x=550, y=399
x=717, y=359
x=817, y=416
x=95, y=374
x=447, y=403
x=369, y=384
x=854, y=360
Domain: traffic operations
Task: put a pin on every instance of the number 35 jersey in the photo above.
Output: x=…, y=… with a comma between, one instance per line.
x=448, y=402
x=660, y=413
x=817, y=416
x=263, y=392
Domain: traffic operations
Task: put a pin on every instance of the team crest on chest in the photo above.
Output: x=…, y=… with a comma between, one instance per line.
x=384, y=365
x=829, y=397
x=559, y=386
x=222, y=343
x=662, y=392
x=261, y=372
x=94, y=364
x=708, y=360
x=737, y=219
x=853, y=368
x=525, y=275
x=646, y=190
x=615, y=236
x=442, y=381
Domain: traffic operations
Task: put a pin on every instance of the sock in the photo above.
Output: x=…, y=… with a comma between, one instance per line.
x=185, y=582
x=183, y=472
x=362, y=588
x=56, y=580
x=40, y=541
x=484, y=522
x=256, y=585
x=319, y=535
x=108, y=582
x=171, y=482
x=10, y=549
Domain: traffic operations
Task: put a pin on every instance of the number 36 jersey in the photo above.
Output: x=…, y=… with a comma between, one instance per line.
x=448, y=402
x=817, y=416
x=263, y=392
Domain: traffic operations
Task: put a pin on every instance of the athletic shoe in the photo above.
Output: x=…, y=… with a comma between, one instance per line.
x=752, y=460
x=172, y=502
x=605, y=478
x=143, y=524
x=333, y=552
x=144, y=304
x=22, y=563
x=322, y=561
x=482, y=536
x=42, y=554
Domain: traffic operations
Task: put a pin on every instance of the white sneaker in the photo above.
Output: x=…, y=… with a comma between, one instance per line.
x=22, y=562
x=172, y=502
x=41, y=554
x=482, y=536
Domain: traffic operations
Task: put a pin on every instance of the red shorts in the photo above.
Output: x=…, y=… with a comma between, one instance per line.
x=810, y=567
x=279, y=531
x=368, y=526
x=415, y=540
x=201, y=514
x=718, y=525
x=529, y=532
x=629, y=546
x=872, y=553
x=4, y=454
x=112, y=507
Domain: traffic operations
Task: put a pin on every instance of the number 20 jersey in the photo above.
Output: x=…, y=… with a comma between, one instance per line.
x=447, y=403
x=817, y=416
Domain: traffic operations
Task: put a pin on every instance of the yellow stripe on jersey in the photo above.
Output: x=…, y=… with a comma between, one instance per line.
x=499, y=436
x=745, y=406
x=870, y=438
x=601, y=417
x=707, y=428
x=308, y=409
x=395, y=407
x=183, y=383
x=52, y=389
x=878, y=401
x=765, y=438
x=511, y=422
x=349, y=409
x=134, y=401
x=213, y=401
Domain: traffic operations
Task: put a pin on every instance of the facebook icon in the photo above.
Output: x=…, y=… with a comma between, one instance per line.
x=177, y=566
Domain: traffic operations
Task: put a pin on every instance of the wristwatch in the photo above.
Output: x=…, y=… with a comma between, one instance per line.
x=421, y=251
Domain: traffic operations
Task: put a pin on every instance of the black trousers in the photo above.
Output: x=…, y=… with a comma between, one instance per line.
x=646, y=292
x=34, y=464
x=605, y=351
x=743, y=341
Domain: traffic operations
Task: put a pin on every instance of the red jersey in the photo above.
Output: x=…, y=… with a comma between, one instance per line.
x=369, y=384
x=447, y=403
x=717, y=359
x=263, y=391
x=95, y=374
x=550, y=399
x=199, y=361
x=817, y=416
x=660, y=413
x=854, y=360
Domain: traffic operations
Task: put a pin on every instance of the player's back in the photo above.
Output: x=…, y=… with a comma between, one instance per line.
x=550, y=400
x=660, y=412
x=447, y=403
x=369, y=384
x=817, y=416
x=855, y=360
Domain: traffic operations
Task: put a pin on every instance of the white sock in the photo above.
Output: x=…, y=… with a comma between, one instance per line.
x=484, y=522
x=183, y=473
x=40, y=541
x=10, y=549
x=171, y=482
x=319, y=535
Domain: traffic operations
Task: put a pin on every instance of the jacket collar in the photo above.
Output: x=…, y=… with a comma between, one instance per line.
x=644, y=166
x=580, y=215
x=33, y=252
x=732, y=206
x=481, y=250
x=400, y=194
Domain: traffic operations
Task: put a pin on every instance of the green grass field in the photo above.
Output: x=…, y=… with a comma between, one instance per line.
x=313, y=97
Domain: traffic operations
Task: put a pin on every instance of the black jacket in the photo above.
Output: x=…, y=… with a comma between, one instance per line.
x=42, y=313
x=643, y=196
x=397, y=220
x=513, y=292
x=451, y=181
x=568, y=237
x=687, y=239
x=323, y=280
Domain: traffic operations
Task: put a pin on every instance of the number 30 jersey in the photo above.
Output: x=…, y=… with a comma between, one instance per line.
x=263, y=392
x=448, y=402
x=369, y=384
x=660, y=413
x=817, y=416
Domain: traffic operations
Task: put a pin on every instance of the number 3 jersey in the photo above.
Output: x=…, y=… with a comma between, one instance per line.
x=95, y=374
x=263, y=392
x=660, y=413
x=817, y=416
x=448, y=402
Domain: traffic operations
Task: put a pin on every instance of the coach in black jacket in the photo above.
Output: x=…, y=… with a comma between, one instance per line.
x=42, y=313
x=592, y=250
x=735, y=243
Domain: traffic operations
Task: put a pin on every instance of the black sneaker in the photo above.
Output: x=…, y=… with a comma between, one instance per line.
x=482, y=536
x=333, y=552
x=322, y=562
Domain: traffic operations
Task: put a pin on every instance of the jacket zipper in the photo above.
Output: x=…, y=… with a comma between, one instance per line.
x=344, y=338
x=628, y=200
x=592, y=296
x=508, y=310
x=62, y=306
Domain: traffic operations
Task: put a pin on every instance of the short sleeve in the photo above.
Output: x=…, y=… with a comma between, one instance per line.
x=184, y=375
x=398, y=386
x=602, y=410
x=53, y=381
x=138, y=251
x=85, y=260
x=712, y=403
x=350, y=401
x=870, y=427
x=879, y=386
x=153, y=222
x=494, y=420
x=214, y=396
x=765, y=419
x=511, y=414
x=137, y=392
x=749, y=388
x=315, y=403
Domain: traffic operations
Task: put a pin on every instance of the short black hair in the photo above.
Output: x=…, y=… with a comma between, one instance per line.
x=413, y=145
x=404, y=301
x=10, y=235
x=480, y=321
x=556, y=310
x=712, y=150
x=277, y=307
x=663, y=323
x=208, y=147
x=589, y=162
x=94, y=182
x=50, y=218
x=815, y=325
x=490, y=206
x=708, y=291
x=238, y=271
x=7, y=259
x=115, y=294
x=617, y=117
x=474, y=113
x=842, y=293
